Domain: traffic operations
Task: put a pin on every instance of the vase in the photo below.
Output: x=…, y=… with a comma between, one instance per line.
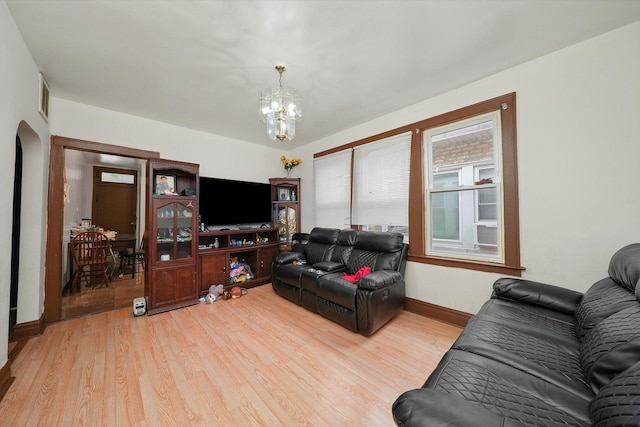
x=288, y=173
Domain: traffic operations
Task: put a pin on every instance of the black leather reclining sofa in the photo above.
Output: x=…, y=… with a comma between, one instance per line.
x=540, y=355
x=315, y=280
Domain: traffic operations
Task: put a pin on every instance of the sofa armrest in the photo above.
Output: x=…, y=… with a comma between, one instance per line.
x=550, y=296
x=329, y=266
x=379, y=279
x=288, y=257
x=427, y=407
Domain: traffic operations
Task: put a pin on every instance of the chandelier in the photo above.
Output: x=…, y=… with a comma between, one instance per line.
x=280, y=109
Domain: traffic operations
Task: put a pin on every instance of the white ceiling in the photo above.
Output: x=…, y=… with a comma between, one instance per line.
x=202, y=64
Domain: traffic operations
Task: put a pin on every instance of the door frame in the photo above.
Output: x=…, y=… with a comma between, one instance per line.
x=55, y=212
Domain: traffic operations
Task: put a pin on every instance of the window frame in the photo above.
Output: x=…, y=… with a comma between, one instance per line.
x=506, y=104
x=466, y=190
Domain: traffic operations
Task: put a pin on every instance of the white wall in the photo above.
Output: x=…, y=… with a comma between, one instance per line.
x=18, y=115
x=218, y=156
x=578, y=158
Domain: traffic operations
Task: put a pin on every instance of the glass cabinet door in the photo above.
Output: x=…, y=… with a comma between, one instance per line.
x=184, y=233
x=174, y=227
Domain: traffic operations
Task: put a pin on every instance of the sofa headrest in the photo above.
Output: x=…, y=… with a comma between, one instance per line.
x=347, y=237
x=328, y=236
x=379, y=241
x=624, y=267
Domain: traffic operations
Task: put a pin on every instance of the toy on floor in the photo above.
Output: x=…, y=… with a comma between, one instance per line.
x=215, y=292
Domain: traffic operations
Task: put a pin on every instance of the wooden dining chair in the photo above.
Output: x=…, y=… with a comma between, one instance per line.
x=91, y=254
x=129, y=257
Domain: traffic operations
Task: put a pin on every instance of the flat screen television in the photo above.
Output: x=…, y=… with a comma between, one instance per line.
x=228, y=203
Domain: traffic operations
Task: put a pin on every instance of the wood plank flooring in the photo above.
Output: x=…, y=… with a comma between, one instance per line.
x=259, y=360
x=95, y=299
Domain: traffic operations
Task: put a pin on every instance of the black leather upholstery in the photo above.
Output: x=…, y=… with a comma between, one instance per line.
x=539, y=355
x=318, y=285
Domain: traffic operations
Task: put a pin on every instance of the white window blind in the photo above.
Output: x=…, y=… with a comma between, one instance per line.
x=381, y=182
x=332, y=178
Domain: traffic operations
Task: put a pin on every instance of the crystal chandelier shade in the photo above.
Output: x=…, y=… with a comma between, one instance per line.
x=280, y=109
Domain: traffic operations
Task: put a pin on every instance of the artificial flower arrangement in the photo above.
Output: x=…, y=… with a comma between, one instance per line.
x=289, y=164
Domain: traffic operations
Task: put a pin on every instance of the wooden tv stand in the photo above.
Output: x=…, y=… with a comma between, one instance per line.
x=214, y=263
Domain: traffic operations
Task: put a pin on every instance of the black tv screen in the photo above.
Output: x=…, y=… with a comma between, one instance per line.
x=225, y=202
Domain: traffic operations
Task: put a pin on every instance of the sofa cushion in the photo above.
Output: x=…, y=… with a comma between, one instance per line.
x=318, y=252
x=611, y=347
x=507, y=391
x=514, y=314
x=552, y=358
x=334, y=288
x=327, y=236
x=618, y=402
x=379, y=242
x=624, y=266
x=290, y=274
x=601, y=300
x=344, y=245
x=321, y=244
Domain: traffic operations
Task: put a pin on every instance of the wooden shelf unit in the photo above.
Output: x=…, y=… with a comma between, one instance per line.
x=171, y=245
x=286, y=212
x=214, y=263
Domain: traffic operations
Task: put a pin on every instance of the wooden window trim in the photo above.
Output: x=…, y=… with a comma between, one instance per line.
x=417, y=209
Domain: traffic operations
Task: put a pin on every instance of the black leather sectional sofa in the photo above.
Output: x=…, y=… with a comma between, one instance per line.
x=541, y=355
x=312, y=276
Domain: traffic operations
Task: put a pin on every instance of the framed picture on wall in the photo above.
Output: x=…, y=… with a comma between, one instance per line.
x=165, y=184
x=284, y=194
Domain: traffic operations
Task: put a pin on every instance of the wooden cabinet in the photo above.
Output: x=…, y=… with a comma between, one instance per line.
x=254, y=248
x=285, y=200
x=214, y=269
x=172, y=209
x=265, y=256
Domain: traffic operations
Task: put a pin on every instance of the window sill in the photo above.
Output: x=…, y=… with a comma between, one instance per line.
x=468, y=264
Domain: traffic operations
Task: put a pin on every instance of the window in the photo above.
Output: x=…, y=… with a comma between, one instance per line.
x=381, y=184
x=448, y=183
x=462, y=187
x=332, y=178
x=118, y=178
x=465, y=169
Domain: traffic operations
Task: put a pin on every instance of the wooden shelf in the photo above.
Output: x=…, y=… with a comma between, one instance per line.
x=214, y=263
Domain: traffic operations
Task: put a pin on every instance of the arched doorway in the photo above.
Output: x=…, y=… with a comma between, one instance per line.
x=15, y=239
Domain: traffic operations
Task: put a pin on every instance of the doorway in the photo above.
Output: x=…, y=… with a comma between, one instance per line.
x=105, y=197
x=56, y=233
x=15, y=239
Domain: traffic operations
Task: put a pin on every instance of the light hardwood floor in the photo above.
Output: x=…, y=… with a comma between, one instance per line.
x=259, y=360
x=95, y=299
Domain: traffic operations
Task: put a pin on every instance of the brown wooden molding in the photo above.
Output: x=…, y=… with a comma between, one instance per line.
x=29, y=329
x=444, y=314
x=5, y=379
x=55, y=209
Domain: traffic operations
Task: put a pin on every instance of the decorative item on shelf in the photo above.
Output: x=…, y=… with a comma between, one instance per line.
x=293, y=196
x=286, y=221
x=216, y=243
x=165, y=184
x=284, y=194
x=280, y=109
x=289, y=164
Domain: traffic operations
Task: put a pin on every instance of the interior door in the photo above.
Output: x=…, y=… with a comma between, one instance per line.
x=115, y=194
